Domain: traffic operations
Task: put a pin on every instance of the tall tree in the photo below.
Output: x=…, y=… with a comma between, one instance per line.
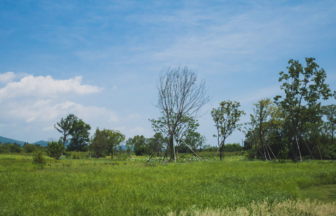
x=330, y=112
x=263, y=110
x=226, y=118
x=114, y=138
x=64, y=127
x=80, y=135
x=99, y=143
x=303, y=87
x=179, y=95
x=139, y=144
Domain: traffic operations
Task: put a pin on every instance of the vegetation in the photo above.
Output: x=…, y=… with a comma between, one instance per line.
x=100, y=187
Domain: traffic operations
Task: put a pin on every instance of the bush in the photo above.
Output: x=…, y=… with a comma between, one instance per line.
x=29, y=148
x=55, y=149
x=38, y=158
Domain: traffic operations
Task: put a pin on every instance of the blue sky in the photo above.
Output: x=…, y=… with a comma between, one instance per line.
x=100, y=59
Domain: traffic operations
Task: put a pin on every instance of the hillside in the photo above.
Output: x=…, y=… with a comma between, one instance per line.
x=9, y=140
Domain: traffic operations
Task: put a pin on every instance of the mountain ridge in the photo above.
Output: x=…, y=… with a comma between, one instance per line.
x=5, y=140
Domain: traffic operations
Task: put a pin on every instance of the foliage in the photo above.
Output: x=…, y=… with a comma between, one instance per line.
x=80, y=135
x=303, y=87
x=38, y=158
x=226, y=118
x=139, y=144
x=29, y=148
x=65, y=126
x=55, y=149
x=99, y=143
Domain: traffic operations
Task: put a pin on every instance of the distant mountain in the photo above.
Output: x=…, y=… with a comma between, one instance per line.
x=41, y=143
x=8, y=140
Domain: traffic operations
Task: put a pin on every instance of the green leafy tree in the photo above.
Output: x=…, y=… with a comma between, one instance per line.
x=303, y=87
x=29, y=148
x=65, y=126
x=264, y=110
x=80, y=135
x=330, y=112
x=195, y=140
x=129, y=146
x=114, y=138
x=139, y=144
x=226, y=118
x=55, y=149
x=99, y=143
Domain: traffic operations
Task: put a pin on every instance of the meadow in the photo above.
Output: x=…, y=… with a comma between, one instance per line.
x=132, y=187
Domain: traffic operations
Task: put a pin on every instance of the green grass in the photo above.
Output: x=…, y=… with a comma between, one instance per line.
x=324, y=193
x=105, y=187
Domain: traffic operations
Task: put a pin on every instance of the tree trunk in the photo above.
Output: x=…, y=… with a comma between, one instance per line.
x=298, y=147
x=176, y=152
x=171, y=143
x=221, y=150
x=255, y=150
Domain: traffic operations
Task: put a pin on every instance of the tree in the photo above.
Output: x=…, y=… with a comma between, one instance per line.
x=195, y=140
x=251, y=131
x=155, y=144
x=55, y=149
x=139, y=144
x=114, y=138
x=301, y=85
x=226, y=118
x=129, y=146
x=80, y=135
x=99, y=143
x=263, y=110
x=64, y=127
x=330, y=112
x=179, y=95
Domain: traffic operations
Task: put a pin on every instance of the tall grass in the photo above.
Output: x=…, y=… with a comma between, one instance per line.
x=105, y=187
x=285, y=208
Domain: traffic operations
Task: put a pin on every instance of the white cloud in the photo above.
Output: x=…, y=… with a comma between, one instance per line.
x=44, y=111
x=46, y=87
x=7, y=77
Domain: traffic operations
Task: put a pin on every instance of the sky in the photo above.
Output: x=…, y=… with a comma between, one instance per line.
x=100, y=60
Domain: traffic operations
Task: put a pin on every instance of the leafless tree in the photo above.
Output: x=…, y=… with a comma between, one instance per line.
x=179, y=95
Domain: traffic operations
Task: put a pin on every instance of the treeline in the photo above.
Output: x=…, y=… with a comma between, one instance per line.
x=17, y=148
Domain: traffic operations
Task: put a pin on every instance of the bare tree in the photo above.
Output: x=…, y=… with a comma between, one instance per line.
x=179, y=95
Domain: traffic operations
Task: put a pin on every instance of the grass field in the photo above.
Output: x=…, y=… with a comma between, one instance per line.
x=105, y=187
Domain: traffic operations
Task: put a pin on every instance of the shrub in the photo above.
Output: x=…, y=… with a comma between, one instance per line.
x=55, y=149
x=29, y=148
x=38, y=158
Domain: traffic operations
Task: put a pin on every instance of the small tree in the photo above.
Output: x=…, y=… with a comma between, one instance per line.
x=139, y=144
x=38, y=158
x=226, y=118
x=55, y=149
x=65, y=126
x=330, y=112
x=99, y=143
x=114, y=138
x=80, y=135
